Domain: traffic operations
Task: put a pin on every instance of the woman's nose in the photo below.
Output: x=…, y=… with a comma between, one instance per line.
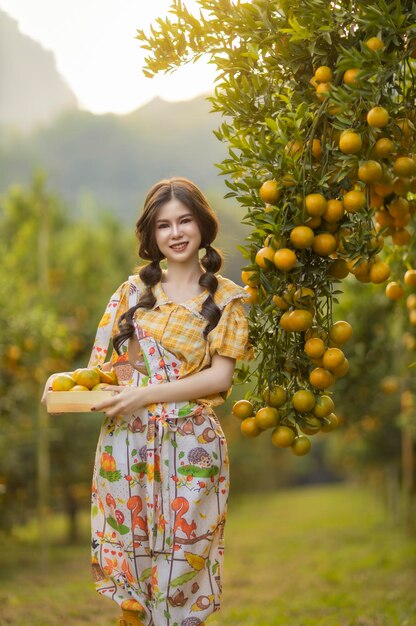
x=176, y=230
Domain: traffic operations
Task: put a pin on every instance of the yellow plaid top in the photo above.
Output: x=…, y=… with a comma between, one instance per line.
x=179, y=326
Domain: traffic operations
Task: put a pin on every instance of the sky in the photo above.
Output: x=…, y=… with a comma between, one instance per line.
x=97, y=54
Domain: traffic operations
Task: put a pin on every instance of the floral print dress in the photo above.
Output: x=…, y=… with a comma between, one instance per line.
x=161, y=478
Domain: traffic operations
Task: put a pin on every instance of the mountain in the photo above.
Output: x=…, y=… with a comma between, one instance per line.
x=116, y=158
x=32, y=91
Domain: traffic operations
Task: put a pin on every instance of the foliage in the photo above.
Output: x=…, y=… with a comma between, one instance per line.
x=334, y=562
x=283, y=91
x=58, y=275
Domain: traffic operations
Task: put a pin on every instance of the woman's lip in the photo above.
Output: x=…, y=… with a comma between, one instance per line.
x=183, y=243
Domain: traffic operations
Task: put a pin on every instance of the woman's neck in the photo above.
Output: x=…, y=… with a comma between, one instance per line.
x=182, y=275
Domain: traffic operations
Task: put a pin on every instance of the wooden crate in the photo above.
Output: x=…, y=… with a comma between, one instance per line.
x=75, y=401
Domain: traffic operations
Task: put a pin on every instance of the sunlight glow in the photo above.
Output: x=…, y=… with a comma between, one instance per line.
x=97, y=54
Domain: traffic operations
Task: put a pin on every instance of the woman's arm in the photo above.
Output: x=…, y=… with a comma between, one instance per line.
x=214, y=379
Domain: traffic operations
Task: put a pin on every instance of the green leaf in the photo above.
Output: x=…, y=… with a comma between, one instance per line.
x=184, y=578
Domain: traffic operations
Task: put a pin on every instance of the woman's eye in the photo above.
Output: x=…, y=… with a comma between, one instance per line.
x=186, y=220
x=162, y=226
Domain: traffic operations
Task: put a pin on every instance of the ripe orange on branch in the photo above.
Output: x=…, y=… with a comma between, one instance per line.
x=263, y=256
x=350, y=142
x=270, y=192
x=284, y=259
x=354, y=201
x=315, y=204
x=378, y=117
x=302, y=237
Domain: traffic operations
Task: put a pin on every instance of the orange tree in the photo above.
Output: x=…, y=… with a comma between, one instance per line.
x=317, y=98
x=57, y=273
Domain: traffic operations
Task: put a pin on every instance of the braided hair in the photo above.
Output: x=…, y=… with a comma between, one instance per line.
x=191, y=196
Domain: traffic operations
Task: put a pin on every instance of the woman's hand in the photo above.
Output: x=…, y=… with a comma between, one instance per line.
x=125, y=402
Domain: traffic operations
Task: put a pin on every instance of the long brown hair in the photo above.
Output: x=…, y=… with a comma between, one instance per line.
x=192, y=197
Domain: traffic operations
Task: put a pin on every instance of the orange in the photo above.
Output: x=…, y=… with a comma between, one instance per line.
x=354, y=201
x=401, y=237
x=310, y=425
x=62, y=382
x=303, y=400
x=404, y=166
x=378, y=117
x=264, y=256
x=379, y=272
x=350, y=76
x=340, y=332
x=324, y=244
x=314, y=222
x=280, y=302
x=250, y=277
x=350, y=142
x=316, y=148
x=267, y=417
x=302, y=237
x=339, y=269
x=303, y=297
x=284, y=259
x=406, y=127
x=402, y=220
x=249, y=427
x=253, y=294
x=276, y=396
x=243, y=409
x=332, y=358
x=334, y=211
x=412, y=317
x=288, y=180
x=84, y=388
x=375, y=44
x=383, y=147
x=316, y=331
x=329, y=422
x=410, y=278
x=383, y=189
x=283, y=437
x=370, y=171
x=384, y=218
x=358, y=266
x=109, y=378
x=301, y=446
x=316, y=204
x=294, y=148
x=323, y=74
x=398, y=207
x=321, y=378
x=270, y=192
x=87, y=377
x=401, y=185
x=394, y=290
x=299, y=320
x=411, y=301
x=99, y=387
x=284, y=321
x=324, y=406
x=342, y=369
x=390, y=385
x=322, y=91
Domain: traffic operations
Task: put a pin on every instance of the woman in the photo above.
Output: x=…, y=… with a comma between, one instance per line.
x=161, y=476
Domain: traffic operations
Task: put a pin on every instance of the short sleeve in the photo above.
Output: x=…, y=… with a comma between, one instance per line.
x=230, y=336
x=108, y=326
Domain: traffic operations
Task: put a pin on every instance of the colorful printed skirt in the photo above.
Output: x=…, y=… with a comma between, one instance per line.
x=160, y=491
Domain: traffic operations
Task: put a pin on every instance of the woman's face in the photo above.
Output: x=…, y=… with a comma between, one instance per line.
x=177, y=232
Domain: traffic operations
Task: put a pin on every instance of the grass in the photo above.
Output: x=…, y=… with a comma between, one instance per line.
x=314, y=556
